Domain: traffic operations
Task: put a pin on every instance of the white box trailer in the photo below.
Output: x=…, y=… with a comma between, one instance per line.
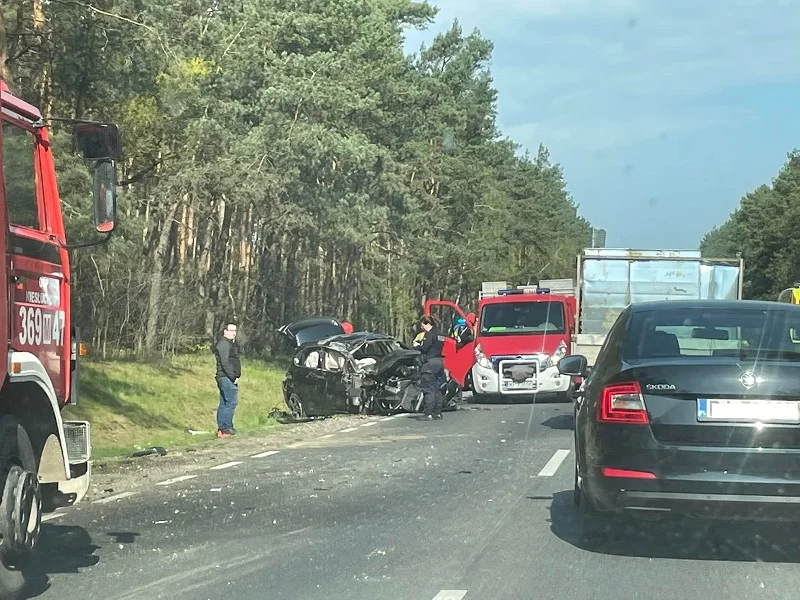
x=489, y=289
x=559, y=287
x=609, y=279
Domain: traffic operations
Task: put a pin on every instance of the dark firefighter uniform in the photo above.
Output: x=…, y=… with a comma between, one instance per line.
x=432, y=371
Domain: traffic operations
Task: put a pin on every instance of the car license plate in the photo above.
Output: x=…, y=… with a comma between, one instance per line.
x=522, y=385
x=781, y=411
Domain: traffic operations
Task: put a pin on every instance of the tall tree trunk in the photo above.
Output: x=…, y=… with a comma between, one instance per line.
x=5, y=72
x=156, y=279
x=218, y=260
x=183, y=241
x=45, y=54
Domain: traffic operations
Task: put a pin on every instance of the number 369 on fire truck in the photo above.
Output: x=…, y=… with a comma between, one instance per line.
x=44, y=460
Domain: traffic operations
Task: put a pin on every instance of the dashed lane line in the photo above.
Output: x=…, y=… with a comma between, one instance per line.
x=265, y=454
x=349, y=429
x=552, y=465
x=176, y=479
x=226, y=465
x=51, y=516
x=370, y=424
x=450, y=595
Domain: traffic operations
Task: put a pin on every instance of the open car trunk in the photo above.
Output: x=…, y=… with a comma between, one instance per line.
x=310, y=330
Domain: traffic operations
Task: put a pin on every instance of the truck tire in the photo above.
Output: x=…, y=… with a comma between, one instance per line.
x=20, y=502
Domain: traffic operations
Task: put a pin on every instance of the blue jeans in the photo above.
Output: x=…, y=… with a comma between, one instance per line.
x=228, y=399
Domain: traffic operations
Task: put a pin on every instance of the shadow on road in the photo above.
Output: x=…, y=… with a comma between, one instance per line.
x=61, y=549
x=680, y=538
x=561, y=422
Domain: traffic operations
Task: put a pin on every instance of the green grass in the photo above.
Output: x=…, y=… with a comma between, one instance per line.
x=133, y=405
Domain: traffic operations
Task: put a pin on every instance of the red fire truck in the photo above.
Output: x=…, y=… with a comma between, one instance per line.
x=44, y=459
x=515, y=341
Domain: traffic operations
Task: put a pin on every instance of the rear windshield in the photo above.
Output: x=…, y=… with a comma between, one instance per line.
x=724, y=332
x=317, y=332
x=521, y=318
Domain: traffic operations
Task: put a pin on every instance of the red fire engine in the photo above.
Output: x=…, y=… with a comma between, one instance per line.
x=44, y=460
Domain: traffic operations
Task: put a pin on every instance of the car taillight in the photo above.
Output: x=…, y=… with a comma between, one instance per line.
x=611, y=472
x=622, y=403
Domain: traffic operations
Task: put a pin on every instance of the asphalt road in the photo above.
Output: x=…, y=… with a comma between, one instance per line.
x=477, y=506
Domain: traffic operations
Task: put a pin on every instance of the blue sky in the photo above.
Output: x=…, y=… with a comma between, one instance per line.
x=663, y=113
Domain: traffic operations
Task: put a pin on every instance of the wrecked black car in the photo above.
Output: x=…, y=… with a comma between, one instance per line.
x=364, y=373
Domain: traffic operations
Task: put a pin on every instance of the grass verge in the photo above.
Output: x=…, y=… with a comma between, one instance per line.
x=132, y=406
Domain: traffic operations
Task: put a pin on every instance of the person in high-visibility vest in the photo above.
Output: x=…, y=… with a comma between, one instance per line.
x=790, y=295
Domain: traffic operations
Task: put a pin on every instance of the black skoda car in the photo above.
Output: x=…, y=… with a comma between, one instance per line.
x=693, y=408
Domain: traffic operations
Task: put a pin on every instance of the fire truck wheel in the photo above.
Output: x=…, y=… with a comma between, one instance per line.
x=21, y=500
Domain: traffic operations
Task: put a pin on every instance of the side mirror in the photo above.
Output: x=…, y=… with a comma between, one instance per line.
x=296, y=360
x=97, y=141
x=105, y=195
x=575, y=365
x=471, y=320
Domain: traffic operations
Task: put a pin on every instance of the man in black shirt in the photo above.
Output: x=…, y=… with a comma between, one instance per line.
x=432, y=370
x=229, y=370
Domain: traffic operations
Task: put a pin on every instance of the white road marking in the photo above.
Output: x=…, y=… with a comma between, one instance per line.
x=52, y=516
x=326, y=436
x=227, y=465
x=450, y=595
x=552, y=465
x=390, y=418
x=264, y=454
x=369, y=424
x=115, y=497
x=176, y=479
x=349, y=429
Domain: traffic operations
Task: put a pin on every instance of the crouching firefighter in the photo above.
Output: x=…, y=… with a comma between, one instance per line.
x=432, y=371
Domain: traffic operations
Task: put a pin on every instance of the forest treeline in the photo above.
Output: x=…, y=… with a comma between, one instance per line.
x=283, y=159
x=763, y=229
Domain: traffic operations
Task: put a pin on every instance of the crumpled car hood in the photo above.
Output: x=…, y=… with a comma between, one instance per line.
x=387, y=364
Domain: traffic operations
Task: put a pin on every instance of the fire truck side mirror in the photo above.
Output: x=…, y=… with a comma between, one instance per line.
x=104, y=195
x=97, y=141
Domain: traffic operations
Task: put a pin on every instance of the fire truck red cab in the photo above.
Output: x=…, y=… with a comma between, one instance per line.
x=516, y=341
x=41, y=456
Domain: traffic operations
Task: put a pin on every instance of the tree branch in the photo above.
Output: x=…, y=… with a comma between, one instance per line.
x=104, y=13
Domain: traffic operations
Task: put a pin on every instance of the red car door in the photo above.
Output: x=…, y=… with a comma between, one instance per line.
x=458, y=360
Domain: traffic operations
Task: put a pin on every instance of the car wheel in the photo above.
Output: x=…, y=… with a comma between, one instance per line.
x=590, y=522
x=20, y=505
x=568, y=395
x=468, y=382
x=479, y=398
x=296, y=407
